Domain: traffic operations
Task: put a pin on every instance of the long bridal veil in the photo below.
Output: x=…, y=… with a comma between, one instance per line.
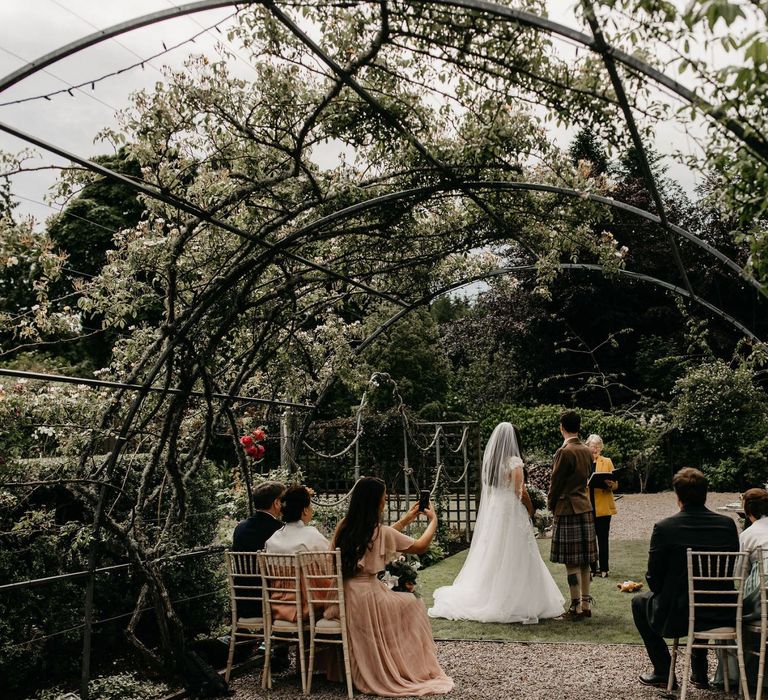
x=503, y=578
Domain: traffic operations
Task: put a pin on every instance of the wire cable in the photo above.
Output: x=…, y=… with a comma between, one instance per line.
x=94, y=26
x=61, y=80
x=229, y=48
x=140, y=63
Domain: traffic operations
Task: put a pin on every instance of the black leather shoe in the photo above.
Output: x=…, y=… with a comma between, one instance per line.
x=656, y=681
x=700, y=682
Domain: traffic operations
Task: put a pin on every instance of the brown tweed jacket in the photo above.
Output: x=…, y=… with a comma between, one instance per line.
x=568, y=488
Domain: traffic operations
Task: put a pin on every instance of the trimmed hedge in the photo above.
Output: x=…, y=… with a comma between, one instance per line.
x=539, y=428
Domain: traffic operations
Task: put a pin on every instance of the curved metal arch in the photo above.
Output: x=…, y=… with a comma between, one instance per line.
x=528, y=19
x=601, y=47
x=377, y=201
x=515, y=15
x=501, y=185
x=110, y=33
x=502, y=271
x=374, y=202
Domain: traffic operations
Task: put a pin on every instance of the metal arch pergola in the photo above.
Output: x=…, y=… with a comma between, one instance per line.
x=451, y=181
x=596, y=43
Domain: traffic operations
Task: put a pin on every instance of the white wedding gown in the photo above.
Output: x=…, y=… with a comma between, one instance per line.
x=504, y=578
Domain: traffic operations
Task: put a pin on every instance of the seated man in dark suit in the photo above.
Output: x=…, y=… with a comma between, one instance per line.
x=663, y=611
x=252, y=533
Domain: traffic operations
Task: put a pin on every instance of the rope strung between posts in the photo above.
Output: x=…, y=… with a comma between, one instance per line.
x=464, y=436
x=407, y=425
x=333, y=504
x=378, y=379
x=358, y=433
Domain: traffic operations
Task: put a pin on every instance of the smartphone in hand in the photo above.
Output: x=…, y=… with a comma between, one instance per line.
x=423, y=500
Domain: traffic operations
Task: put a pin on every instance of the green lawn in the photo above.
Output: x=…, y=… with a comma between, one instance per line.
x=612, y=616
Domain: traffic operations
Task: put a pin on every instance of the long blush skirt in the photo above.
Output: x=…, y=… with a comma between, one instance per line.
x=392, y=648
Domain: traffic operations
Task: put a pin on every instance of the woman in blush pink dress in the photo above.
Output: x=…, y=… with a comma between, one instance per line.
x=392, y=649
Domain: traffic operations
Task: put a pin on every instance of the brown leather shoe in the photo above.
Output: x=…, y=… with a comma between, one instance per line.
x=571, y=615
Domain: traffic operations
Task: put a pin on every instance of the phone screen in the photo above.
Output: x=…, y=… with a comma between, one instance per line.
x=423, y=500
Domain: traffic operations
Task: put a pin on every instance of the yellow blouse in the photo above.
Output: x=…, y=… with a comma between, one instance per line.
x=604, y=503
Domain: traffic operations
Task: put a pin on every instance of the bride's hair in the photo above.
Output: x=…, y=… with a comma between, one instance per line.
x=501, y=450
x=355, y=532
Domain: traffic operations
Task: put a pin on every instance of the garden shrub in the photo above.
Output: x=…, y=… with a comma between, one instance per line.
x=48, y=534
x=539, y=428
x=121, y=686
x=721, y=421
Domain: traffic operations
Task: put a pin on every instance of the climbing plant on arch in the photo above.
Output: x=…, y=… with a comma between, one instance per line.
x=381, y=152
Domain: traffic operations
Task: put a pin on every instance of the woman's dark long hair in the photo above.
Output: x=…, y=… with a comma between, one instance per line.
x=355, y=532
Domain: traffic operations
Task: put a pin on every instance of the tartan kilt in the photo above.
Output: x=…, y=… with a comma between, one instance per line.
x=573, y=539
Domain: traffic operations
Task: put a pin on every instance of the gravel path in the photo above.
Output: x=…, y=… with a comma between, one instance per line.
x=531, y=670
x=484, y=670
x=637, y=512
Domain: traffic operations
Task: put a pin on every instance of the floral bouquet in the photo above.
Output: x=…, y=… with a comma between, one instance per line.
x=400, y=575
x=538, y=497
x=542, y=518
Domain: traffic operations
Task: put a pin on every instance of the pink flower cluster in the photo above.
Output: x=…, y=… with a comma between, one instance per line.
x=252, y=443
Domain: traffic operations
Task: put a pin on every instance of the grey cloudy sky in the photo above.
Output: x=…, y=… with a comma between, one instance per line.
x=31, y=28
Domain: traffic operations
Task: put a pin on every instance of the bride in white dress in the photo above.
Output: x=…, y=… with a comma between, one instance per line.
x=504, y=578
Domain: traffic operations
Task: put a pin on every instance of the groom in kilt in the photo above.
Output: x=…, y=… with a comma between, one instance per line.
x=573, y=532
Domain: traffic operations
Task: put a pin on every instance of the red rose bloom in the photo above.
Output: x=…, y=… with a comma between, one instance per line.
x=246, y=441
x=259, y=434
x=251, y=451
x=260, y=451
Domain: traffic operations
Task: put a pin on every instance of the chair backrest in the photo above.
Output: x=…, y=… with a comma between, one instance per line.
x=762, y=580
x=323, y=582
x=244, y=580
x=716, y=583
x=281, y=585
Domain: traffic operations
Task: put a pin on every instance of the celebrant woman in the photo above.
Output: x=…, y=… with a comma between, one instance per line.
x=603, y=505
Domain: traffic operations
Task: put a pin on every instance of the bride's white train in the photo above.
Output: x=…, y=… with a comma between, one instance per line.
x=504, y=578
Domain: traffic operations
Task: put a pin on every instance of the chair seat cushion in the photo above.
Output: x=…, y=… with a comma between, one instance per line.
x=284, y=626
x=328, y=626
x=250, y=622
x=716, y=633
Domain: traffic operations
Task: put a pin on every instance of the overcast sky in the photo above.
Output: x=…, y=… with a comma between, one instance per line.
x=29, y=30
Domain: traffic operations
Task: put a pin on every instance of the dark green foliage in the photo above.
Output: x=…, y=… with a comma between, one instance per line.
x=120, y=686
x=48, y=534
x=86, y=226
x=412, y=355
x=447, y=308
x=499, y=349
x=539, y=428
x=587, y=147
x=721, y=421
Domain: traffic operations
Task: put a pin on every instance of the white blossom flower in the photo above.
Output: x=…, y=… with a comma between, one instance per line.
x=389, y=580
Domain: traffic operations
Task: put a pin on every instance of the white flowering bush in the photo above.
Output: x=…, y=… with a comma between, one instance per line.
x=45, y=420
